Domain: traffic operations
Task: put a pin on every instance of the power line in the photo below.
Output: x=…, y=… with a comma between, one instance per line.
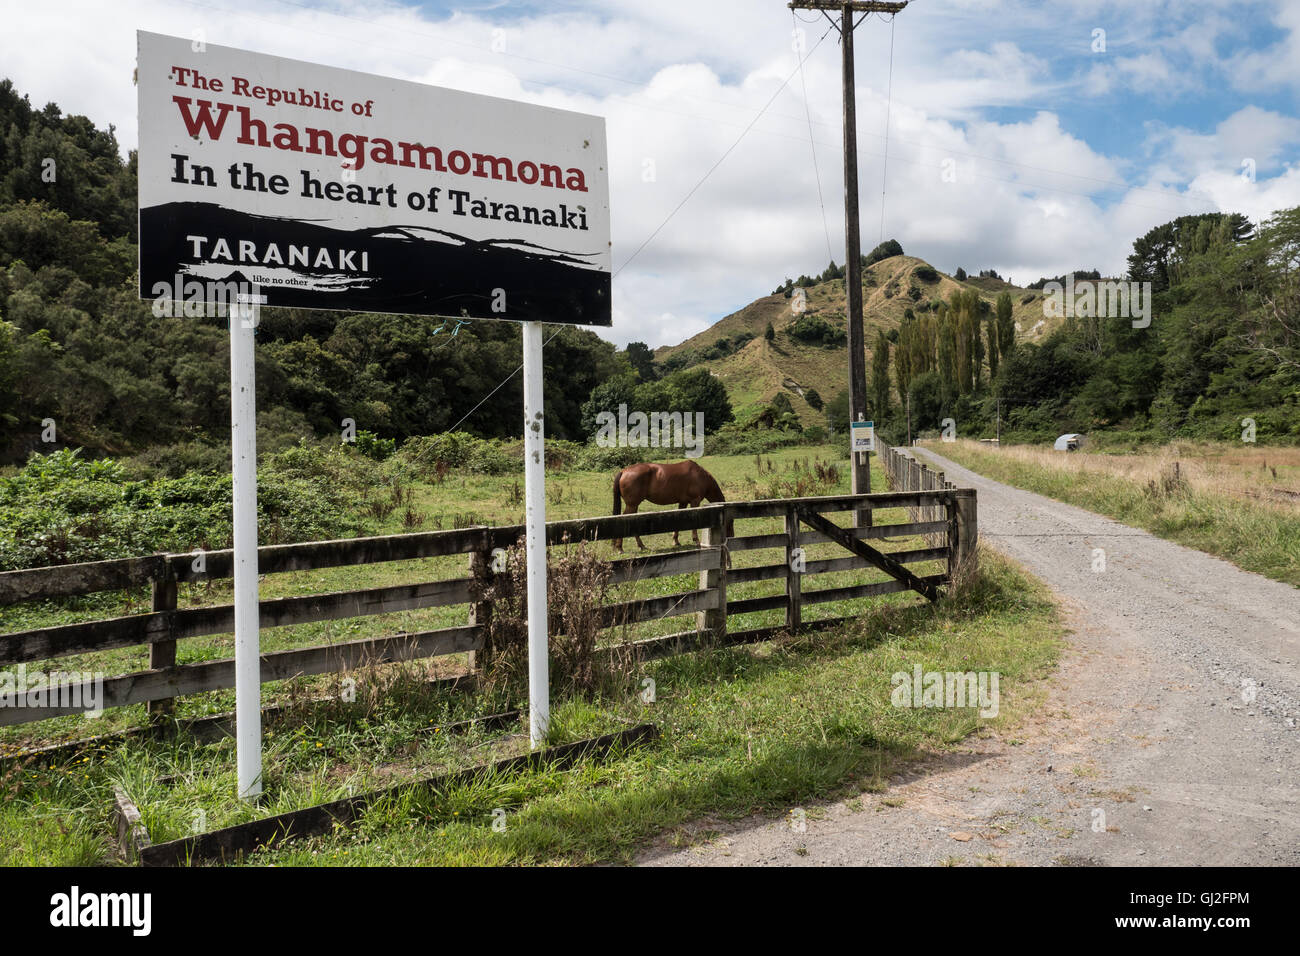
x=723, y=157
x=889, y=103
x=713, y=121
x=660, y=227
x=813, y=144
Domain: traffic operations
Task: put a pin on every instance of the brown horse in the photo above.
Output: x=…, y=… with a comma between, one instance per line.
x=684, y=484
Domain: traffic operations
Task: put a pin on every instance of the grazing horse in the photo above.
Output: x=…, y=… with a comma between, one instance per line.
x=684, y=484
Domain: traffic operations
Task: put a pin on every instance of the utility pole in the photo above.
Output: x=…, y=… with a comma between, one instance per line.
x=852, y=237
x=999, y=433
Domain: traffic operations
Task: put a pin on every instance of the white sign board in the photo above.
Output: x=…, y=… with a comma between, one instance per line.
x=862, y=436
x=332, y=189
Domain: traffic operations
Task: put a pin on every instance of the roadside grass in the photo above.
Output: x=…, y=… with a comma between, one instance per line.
x=746, y=730
x=1208, y=503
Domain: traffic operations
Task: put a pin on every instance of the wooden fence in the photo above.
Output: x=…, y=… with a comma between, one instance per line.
x=905, y=473
x=948, y=519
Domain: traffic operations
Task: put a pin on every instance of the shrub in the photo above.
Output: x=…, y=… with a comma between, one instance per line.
x=814, y=329
x=374, y=447
x=61, y=508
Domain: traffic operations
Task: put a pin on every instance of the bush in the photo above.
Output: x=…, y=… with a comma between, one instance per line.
x=461, y=450
x=596, y=458
x=374, y=447
x=813, y=329
x=742, y=440
x=61, y=508
x=175, y=461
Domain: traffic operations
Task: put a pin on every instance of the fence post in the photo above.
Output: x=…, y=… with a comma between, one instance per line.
x=967, y=528
x=480, y=611
x=793, y=576
x=714, y=620
x=162, y=653
x=914, y=474
x=954, y=537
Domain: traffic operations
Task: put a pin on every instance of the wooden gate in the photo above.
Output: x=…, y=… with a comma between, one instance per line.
x=865, y=551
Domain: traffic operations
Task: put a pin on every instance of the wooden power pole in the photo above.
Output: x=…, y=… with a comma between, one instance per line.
x=852, y=232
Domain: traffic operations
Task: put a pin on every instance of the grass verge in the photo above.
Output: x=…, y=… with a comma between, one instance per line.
x=1204, y=503
x=750, y=730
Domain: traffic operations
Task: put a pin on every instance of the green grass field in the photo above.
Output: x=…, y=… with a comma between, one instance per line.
x=760, y=728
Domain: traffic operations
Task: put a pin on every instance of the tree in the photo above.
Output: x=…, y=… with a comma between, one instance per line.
x=905, y=353
x=642, y=360
x=887, y=249
x=965, y=354
x=1161, y=256
x=1273, y=319
x=991, y=334
x=837, y=412
x=814, y=399
x=698, y=390
x=927, y=396
x=770, y=334
x=1006, y=326
x=960, y=274
x=947, y=364
x=880, y=375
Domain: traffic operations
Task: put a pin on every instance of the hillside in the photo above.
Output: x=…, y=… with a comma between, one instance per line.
x=759, y=370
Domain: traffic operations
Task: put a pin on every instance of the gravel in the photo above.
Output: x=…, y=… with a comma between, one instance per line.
x=1168, y=735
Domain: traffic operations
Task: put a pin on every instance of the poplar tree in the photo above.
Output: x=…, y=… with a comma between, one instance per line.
x=1006, y=326
x=880, y=375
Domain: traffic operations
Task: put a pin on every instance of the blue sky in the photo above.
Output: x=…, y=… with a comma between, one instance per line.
x=1015, y=141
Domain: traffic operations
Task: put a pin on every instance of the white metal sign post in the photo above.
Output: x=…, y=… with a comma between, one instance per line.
x=243, y=468
x=539, y=677
x=273, y=182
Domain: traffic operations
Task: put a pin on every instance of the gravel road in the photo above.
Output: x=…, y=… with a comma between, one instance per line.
x=1169, y=734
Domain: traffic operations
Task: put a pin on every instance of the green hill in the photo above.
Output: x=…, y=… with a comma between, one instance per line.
x=757, y=371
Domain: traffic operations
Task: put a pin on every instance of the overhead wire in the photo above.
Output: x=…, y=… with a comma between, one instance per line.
x=889, y=102
x=723, y=157
x=812, y=142
x=714, y=121
x=667, y=219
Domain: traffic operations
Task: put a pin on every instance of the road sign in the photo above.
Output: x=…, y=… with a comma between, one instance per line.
x=332, y=189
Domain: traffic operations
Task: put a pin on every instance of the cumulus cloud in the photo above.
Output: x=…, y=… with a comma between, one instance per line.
x=996, y=157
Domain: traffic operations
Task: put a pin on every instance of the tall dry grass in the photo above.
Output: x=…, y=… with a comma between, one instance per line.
x=1225, y=500
x=1259, y=475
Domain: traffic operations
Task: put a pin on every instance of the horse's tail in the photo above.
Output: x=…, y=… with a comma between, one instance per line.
x=618, y=499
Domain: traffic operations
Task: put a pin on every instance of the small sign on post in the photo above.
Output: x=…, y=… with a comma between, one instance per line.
x=862, y=436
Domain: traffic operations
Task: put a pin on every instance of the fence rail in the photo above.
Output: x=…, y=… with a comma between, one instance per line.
x=946, y=516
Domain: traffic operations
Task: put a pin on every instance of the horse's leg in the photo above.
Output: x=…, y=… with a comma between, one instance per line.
x=676, y=540
x=628, y=509
x=695, y=532
x=631, y=510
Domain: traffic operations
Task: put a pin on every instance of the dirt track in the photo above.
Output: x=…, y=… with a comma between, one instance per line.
x=1150, y=720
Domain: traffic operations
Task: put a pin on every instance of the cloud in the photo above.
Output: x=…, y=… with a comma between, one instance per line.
x=995, y=156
